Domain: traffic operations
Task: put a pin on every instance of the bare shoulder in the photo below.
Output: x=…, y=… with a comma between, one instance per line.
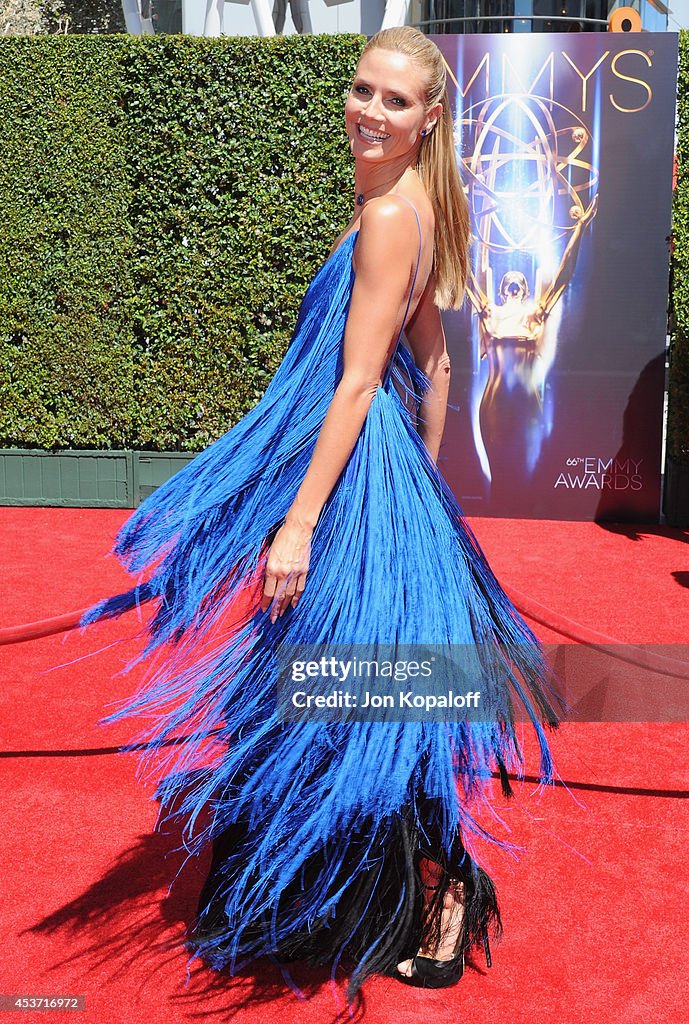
x=388, y=244
x=389, y=209
x=389, y=223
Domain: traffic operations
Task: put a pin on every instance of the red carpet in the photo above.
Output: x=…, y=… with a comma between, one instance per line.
x=595, y=911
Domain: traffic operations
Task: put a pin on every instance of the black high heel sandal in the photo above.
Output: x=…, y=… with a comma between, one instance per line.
x=429, y=973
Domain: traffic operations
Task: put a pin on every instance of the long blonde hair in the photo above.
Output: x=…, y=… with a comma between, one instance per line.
x=437, y=166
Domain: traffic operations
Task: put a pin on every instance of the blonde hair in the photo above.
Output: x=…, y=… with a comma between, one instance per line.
x=437, y=166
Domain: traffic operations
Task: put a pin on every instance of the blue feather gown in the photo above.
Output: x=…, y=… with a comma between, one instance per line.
x=318, y=827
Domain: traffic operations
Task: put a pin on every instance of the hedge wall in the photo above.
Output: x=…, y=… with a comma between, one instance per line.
x=163, y=208
x=678, y=414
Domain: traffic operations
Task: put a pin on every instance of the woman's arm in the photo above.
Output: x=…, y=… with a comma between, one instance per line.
x=427, y=341
x=385, y=257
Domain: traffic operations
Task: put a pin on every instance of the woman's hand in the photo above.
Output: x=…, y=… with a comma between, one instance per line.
x=286, y=568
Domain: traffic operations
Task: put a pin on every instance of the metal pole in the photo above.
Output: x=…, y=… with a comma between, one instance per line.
x=512, y=17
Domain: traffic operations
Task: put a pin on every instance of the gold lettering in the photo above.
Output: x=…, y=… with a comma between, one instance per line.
x=530, y=91
x=484, y=60
x=511, y=76
x=584, y=78
x=628, y=78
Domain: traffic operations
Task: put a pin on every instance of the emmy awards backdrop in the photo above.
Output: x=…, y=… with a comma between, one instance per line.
x=565, y=144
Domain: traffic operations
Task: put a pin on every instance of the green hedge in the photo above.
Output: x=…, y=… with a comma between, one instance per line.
x=678, y=413
x=163, y=208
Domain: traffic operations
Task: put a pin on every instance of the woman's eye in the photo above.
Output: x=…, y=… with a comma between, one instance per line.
x=363, y=90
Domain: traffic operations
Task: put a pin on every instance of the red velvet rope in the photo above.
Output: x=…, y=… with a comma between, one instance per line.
x=632, y=654
x=44, y=627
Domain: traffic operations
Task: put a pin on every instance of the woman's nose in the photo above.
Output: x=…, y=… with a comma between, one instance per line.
x=374, y=108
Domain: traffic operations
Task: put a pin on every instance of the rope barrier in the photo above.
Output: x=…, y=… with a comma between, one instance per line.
x=632, y=654
x=44, y=627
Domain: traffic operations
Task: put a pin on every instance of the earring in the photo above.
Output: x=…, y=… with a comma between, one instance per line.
x=423, y=132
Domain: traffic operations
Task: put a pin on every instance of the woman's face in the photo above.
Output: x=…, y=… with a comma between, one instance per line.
x=385, y=109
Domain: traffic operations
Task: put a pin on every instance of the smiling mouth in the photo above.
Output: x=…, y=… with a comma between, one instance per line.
x=368, y=135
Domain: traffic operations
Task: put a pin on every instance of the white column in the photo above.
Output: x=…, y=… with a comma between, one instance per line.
x=264, y=17
x=212, y=25
x=395, y=13
x=132, y=17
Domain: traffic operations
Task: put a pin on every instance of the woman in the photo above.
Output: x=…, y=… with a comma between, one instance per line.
x=321, y=518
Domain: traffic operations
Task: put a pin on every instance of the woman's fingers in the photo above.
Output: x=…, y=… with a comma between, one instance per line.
x=281, y=591
x=270, y=585
x=284, y=595
x=299, y=589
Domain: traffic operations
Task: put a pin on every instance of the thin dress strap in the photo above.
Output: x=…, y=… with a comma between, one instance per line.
x=411, y=292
